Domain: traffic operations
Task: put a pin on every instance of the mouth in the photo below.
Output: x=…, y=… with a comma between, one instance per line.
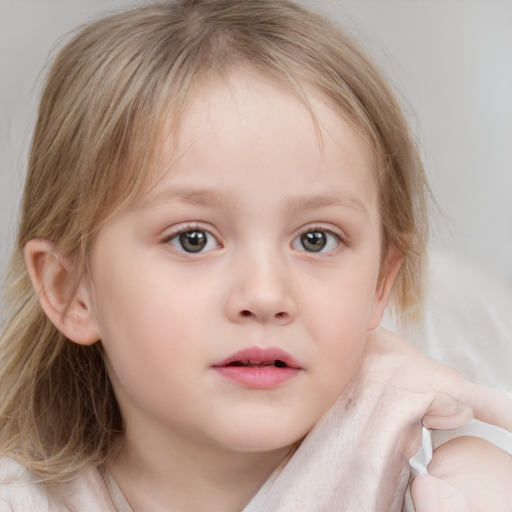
x=258, y=368
x=259, y=364
x=257, y=357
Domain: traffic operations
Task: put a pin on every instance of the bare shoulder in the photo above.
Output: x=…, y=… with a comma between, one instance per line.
x=478, y=468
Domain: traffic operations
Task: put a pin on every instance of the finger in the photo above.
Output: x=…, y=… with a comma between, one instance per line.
x=488, y=405
x=400, y=364
x=430, y=494
x=484, y=404
x=479, y=469
x=445, y=413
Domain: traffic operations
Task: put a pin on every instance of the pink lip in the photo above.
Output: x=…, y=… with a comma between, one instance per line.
x=257, y=367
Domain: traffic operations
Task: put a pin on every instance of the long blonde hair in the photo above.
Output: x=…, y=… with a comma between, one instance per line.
x=100, y=120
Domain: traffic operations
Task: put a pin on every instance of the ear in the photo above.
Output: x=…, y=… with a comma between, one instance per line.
x=390, y=269
x=68, y=309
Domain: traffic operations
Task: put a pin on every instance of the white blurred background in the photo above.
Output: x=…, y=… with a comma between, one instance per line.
x=451, y=60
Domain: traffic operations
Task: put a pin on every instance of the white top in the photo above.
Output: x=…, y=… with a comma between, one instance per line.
x=93, y=491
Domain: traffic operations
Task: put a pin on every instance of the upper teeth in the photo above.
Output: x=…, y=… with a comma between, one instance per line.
x=252, y=362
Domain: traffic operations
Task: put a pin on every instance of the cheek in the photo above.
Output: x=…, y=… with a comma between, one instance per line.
x=147, y=351
x=340, y=305
x=146, y=297
x=336, y=317
x=150, y=323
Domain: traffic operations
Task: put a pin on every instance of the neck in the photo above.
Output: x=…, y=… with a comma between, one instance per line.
x=180, y=474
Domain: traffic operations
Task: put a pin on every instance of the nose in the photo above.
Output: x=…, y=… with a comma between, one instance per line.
x=261, y=292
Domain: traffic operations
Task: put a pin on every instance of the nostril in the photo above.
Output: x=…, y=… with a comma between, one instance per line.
x=282, y=316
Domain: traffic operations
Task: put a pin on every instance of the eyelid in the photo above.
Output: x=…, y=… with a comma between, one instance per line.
x=327, y=227
x=183, y=227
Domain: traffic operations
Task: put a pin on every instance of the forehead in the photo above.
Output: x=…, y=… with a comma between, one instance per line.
x=235, y=128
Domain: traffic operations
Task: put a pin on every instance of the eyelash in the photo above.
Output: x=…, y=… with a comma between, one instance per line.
x=177, y=242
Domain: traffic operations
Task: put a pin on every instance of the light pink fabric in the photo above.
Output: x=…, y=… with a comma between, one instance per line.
x=92, y=491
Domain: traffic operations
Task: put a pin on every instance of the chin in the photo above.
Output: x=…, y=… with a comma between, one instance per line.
x=264, y=439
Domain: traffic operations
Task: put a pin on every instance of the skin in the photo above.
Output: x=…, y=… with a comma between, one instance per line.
x=250, y=175
x=250, y=172
x=452, y=485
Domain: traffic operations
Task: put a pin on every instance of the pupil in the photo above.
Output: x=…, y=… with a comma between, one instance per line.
x=193, y=241
x=313, y=241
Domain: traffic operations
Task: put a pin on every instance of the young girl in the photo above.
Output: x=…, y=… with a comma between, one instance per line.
x=222, y=196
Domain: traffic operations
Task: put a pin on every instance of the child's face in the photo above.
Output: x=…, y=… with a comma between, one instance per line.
x=256, y=239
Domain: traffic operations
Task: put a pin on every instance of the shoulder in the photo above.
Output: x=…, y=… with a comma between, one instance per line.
x=18, y=491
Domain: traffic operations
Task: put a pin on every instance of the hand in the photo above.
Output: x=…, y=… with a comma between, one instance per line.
x=356, y=457
x=442, y=399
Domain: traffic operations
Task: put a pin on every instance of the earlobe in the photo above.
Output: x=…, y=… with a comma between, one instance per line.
x=389, y=272
x=69, y=309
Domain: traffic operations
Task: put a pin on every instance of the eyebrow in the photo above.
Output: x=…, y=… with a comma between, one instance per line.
x=194, y=197
x=221, y=199
x=303, y=203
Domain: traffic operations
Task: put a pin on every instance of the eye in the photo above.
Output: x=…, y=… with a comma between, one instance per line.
x=316, y=240
x=193, y=241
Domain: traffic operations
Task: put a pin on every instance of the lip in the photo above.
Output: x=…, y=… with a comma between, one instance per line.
x=255, y=367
